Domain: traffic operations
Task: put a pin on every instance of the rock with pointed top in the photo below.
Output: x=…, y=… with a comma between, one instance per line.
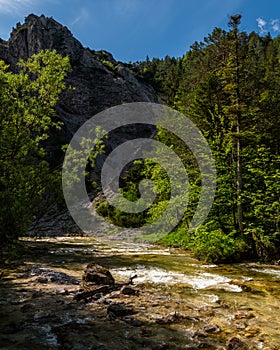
x=98, y=81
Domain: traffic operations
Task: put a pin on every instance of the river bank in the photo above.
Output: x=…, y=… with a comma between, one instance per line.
x=181, y=303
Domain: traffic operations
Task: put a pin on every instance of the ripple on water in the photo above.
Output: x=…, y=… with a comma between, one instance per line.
x=274, y=272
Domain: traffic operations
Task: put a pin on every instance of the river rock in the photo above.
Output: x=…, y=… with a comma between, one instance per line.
x=27, y=307
x=211, y=328
x=127, y=290
x=251, y=331
x=133, y=322
x=37, y=294
x=119, y=310
x=96, y=275
x=204, y=345
x=42, y=279
x=48, y=275
x=245, y=315
x=235, y=343
x=62, y=291
x=239, y=325
x=173, y=317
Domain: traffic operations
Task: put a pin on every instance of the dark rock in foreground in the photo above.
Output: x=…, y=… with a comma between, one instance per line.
x=96, y=275
x=98, y=282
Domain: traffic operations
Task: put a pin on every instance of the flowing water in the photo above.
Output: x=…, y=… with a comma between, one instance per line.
x=182, y=303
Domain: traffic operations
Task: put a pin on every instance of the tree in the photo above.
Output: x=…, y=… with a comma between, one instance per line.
x=27, y=114
x=229, y=86
x=234, y=22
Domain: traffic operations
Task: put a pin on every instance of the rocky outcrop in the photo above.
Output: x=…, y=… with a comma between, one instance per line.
x=99, y=81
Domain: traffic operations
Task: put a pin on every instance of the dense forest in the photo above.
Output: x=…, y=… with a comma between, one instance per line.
x=229, y=85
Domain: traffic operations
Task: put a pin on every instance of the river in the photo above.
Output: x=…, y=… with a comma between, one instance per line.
x=182, y=303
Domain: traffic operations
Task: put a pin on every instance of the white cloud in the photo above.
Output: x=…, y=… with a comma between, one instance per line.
x=275, y=25
x=125, y=8
x=264, y=26
x=15, y=6
x=261, y=24
x=82, y=16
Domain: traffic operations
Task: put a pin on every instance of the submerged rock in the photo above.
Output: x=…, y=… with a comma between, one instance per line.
x=173, y=317
x=48, y=275
x=211, y=328
x=243, y=315
x=42, y=280
x=235, y=343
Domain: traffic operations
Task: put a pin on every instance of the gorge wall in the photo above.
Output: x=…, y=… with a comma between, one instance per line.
x=98, y=80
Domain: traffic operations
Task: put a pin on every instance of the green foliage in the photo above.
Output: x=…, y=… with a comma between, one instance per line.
x=109, y=65
x=179, y=237
x=118, y=217
x=27, y=114
x=130, y=191
x=229, y=85
x=215, y=246
x=78, y=168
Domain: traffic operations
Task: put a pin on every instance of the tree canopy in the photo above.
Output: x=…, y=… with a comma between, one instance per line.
x=229, y=85
x=27, y=114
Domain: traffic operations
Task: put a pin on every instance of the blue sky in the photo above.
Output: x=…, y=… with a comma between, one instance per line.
x=132, y=29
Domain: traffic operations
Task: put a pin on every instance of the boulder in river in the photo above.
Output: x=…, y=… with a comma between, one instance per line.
x=96, y=275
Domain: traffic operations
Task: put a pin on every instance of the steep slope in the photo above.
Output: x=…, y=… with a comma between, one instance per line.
x=97, y=82
x=97, y=79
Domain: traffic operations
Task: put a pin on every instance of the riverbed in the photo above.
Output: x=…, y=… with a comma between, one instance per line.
x=181, y=303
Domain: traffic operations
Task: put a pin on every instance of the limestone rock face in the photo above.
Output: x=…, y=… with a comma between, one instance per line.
x=98, y=80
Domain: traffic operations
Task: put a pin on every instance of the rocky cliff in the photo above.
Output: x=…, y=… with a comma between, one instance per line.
x=99, y=80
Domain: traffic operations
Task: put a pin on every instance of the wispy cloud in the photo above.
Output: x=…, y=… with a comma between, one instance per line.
x=271, y=25
x=261, y=24
x=126, y=7
x=275, y=25
x=83, y=15
x=15, y=6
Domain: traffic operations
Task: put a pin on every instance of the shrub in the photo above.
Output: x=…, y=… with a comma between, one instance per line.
x=216, y=246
